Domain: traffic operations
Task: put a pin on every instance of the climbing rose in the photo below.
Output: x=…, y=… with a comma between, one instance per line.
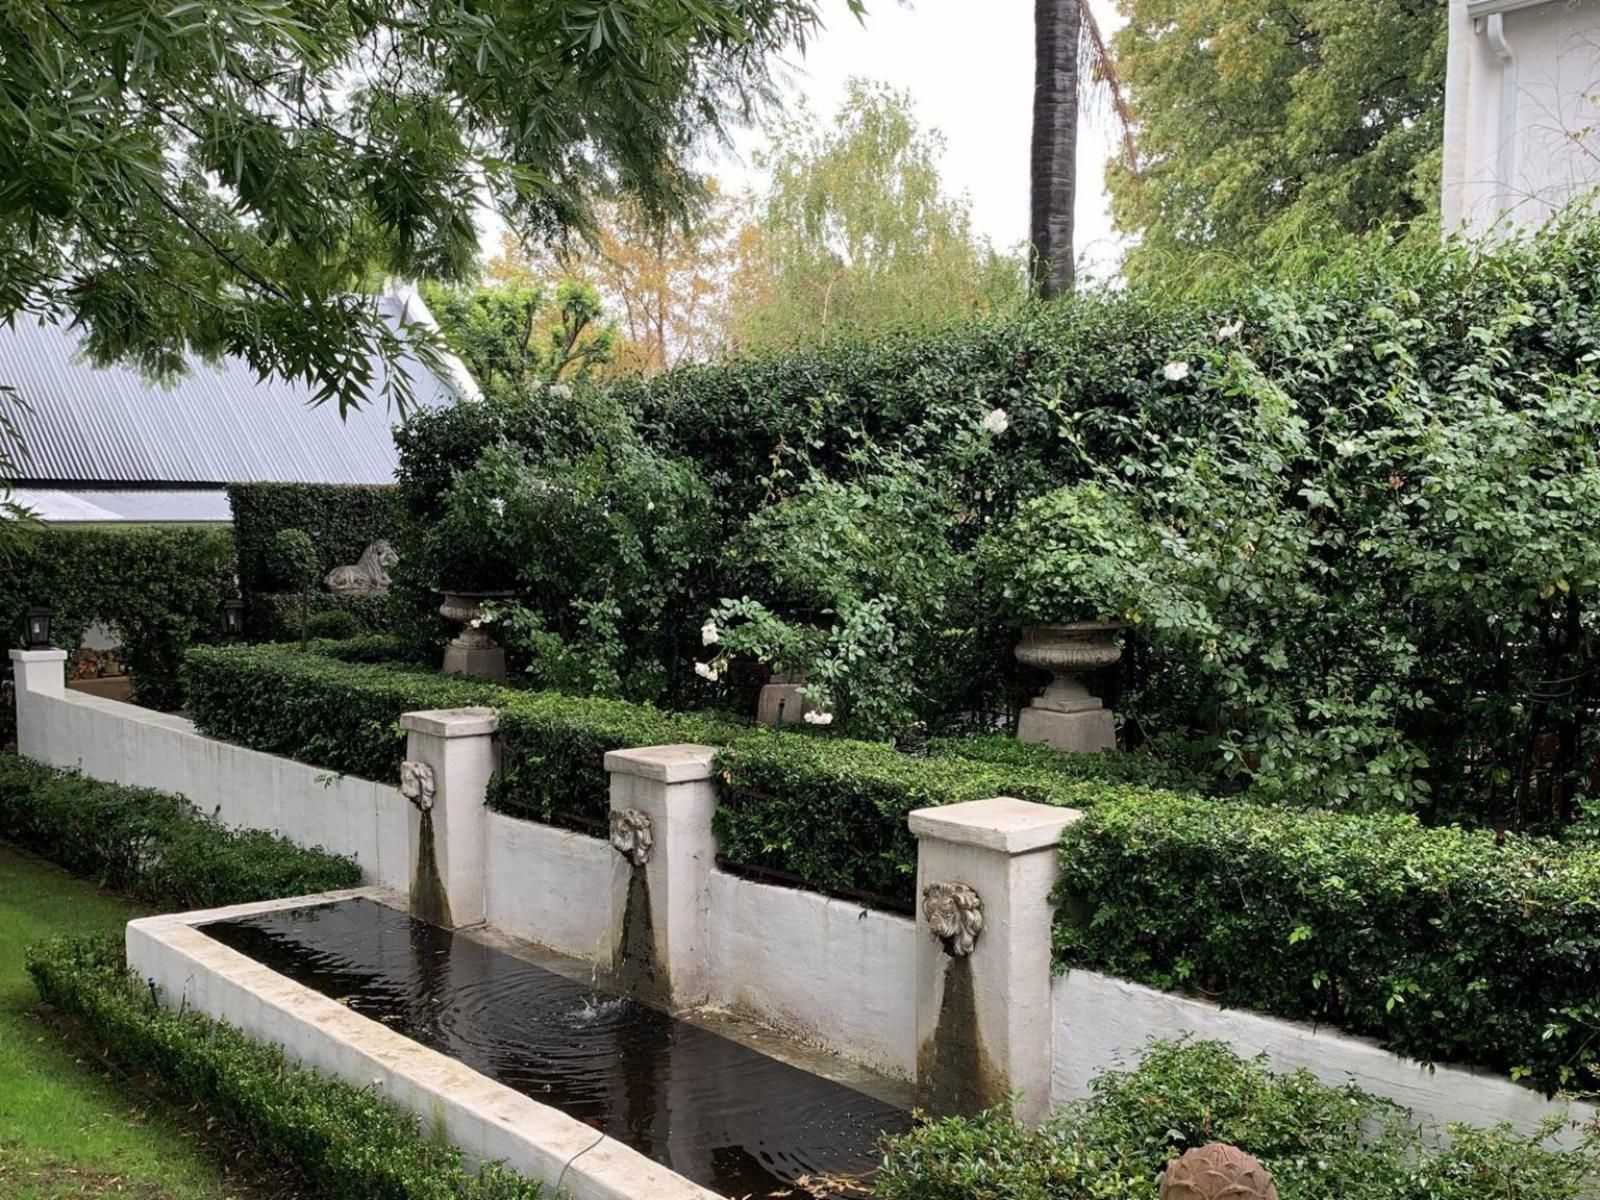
x=1176, y=371
x=705, y=671
x=1230, y=330
x=997, y=421
x=708, y=634
x=818, y=718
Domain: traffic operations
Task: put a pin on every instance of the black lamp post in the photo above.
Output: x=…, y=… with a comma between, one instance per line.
x=37, y=636
x=232, y=618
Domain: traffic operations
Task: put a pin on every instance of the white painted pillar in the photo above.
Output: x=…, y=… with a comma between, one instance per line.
x=450, y=756
x=36, y=673
x=985, y=872
x=662, y=799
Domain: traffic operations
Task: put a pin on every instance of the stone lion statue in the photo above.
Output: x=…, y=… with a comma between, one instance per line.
x=368, y=577
x=954, y=913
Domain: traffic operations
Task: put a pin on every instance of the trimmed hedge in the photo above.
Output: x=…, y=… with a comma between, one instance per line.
x=1445, y=944
x=833, y=812
x=344, y=1139
x=161, y=589
x=154, y=846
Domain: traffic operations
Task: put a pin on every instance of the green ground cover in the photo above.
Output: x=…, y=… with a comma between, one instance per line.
x=71, y=1126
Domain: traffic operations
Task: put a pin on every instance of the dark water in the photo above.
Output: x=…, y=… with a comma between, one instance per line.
x=726, y=1116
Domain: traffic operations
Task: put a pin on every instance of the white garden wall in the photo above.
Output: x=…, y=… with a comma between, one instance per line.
x=848, y=979
x=124, y=743
x=1101, y=1023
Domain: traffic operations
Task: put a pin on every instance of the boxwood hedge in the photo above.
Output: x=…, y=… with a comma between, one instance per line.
x=1446, y=944
x=154, y=846
x=345, y=1140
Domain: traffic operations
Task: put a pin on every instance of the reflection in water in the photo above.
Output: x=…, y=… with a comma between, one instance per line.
x=722, y=1114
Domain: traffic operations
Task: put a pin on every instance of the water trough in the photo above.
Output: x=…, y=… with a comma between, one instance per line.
x=512, y=1060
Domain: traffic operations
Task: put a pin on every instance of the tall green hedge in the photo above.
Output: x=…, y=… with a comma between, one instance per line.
x=154, y=846
x=1446, y=944
x=161, y=589
x=344, y=1139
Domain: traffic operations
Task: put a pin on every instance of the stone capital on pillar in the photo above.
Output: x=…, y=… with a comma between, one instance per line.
x=985, y=873
x=450, y=757
x=662, y=800
x=42, y=671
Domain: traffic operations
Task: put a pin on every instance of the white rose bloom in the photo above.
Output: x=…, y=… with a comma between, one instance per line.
x=1176, y=372
x=499, y=506
x=1231, y=330
x=813, y=717
x=997, y=421
x=1345, y=448
x=708, y=634
x=705, y=671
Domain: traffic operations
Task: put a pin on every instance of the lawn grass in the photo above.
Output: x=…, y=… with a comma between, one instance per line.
x=72, y=1126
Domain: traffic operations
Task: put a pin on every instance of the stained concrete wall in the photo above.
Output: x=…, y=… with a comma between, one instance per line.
x=829, y=971
x=1102, y=1023
x=561, y=889
x=310, y=806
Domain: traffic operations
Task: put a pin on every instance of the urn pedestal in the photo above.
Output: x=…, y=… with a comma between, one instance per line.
x=781, y=701
x=1066, y=716
x=472, y=651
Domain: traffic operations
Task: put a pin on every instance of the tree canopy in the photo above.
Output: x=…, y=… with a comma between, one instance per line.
x=1265, y=122
x=854, y=232
x=218, y=175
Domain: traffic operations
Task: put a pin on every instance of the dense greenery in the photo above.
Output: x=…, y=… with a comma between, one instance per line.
x=152, y=846
x=341, y=520
x=514, y=336
x=223, y=183
x=1446, y=944
x=160, y=589
x=344, y=1139
x=1267, y=124
x=1317, y=1141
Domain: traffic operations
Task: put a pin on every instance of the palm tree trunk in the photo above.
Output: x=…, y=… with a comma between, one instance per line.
x=1056, y=27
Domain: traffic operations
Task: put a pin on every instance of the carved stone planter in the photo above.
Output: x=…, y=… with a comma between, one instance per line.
x=473, y=651
x=1066, y=715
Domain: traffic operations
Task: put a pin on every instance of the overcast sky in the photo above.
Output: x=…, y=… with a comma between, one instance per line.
x=969, y=70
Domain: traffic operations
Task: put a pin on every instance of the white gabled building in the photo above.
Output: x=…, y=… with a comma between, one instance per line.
x=1522, y=110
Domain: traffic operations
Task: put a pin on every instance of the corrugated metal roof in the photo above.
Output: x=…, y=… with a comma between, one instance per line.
x=216, y=424
x=147, y=505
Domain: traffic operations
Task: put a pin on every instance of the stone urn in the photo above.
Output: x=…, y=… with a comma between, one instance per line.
x=473, y=651
x=1066, y=715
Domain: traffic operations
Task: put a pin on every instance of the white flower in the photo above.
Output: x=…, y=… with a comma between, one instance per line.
x=1231, y=330
x=1345, y=448
x=499, y=506
x=708, y=634
x=812, y=717
x=1176, y=372
x=997, y=421
x=475, y=623
x=706, y=671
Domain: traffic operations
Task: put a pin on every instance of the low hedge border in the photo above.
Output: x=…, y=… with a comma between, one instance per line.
x=1445, y=944
x=344, y=1139
x=154, y=846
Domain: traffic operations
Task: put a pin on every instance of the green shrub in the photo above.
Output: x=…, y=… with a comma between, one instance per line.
x=275, y=616
x=1445, y=944
x=337, y=625
x=160, y=589
x=154, y=846
x=833, y=812
x=344, y=1139
x=1317, y=1142
x=1002, y=750
x=341, y=715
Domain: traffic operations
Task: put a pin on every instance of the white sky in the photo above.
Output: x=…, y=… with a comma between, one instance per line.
x=969, y=70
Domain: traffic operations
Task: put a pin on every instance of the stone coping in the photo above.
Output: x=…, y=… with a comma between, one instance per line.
x=684, y=762
x=1003, y=823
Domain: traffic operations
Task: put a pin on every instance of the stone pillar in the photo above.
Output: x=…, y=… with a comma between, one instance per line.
x=662, y=798
x=985, y=871
x=450, y=755
x=36, y=673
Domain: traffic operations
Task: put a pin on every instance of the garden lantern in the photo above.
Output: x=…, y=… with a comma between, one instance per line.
x=38, y=627
x=232, y=618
